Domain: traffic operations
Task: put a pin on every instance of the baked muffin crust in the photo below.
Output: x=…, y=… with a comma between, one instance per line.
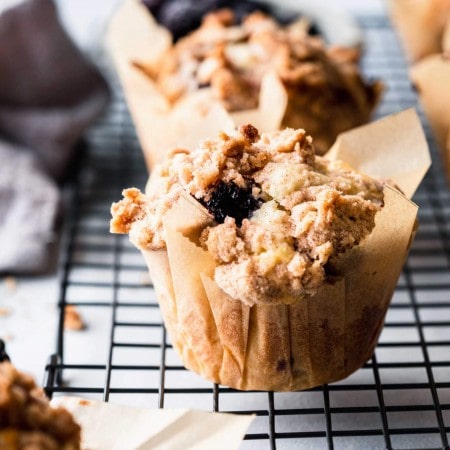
x=304, y=211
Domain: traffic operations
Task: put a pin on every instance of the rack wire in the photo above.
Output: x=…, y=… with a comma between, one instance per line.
x=400, y=399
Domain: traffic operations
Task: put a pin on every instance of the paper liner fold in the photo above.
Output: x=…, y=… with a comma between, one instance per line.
x=314, y=340
x=108, y=426
x=424, y=28
x=232, y=320
x=393, y=148
x=273, y=100
x=431, y=77
x=446, y=37
x=421, y=25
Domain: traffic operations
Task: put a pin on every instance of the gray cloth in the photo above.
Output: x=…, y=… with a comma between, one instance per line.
x=49, y=94
x=28, y=207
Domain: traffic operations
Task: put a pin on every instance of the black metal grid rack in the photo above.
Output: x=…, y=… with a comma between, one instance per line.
x=399, y=399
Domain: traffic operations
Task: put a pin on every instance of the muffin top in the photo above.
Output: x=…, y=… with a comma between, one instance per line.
x=279, y=213
x=323, y=83
x=27, y=419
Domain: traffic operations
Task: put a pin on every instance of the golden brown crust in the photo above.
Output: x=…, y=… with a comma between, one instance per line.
x=307, y=211
x=27, y=419
x=324, y=85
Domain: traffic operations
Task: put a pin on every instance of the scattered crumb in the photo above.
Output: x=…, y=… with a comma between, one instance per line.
x=84, y=402
x=10, y=284
x=4, y=312
x=72, y=319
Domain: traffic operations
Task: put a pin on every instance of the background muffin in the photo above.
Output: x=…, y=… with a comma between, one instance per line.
x=225, y=75
x=326, y=93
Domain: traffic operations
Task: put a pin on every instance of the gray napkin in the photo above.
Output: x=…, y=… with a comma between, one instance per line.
x=49, y=94
x=28, y=207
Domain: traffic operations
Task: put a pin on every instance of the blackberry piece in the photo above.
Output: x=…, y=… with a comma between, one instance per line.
x=153, y=6
x=3, y=355
x=243, y=8
x=183, y=16
x=229, y=200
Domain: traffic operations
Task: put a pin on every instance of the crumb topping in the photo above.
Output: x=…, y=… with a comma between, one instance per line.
x=272, y=241
x=28, y=422
x=323, y=83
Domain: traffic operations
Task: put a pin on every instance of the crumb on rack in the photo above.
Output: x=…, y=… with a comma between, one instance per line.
x=72, y=319
x=5, y=312
x=10, y=283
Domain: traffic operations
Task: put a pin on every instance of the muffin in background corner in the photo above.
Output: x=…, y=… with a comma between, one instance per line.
x=27, y=420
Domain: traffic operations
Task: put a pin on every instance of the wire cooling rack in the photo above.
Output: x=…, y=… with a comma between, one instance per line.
x=399, y=400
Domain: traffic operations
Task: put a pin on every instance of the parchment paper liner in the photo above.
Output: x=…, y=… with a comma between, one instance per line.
x=108, y=426
x=313, y=341
x=424, y=28
x=431, y=77
x=420, y=24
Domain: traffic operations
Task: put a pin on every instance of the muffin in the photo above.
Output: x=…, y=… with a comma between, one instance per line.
x=322, y=84
x=28, y=421
x=257, y=72
x=273, y=267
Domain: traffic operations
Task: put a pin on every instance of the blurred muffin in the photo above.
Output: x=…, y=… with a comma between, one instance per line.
x=273, y=267
x=421, y=25
x=27, y=421
x=424, y=31
x=326, y=93
x=431, y=78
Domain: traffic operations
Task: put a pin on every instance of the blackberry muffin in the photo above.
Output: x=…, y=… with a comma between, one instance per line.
x=323, y=84
x=27, y=421
x=273, y=267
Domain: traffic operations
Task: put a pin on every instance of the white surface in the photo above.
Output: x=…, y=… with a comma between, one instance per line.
x=86, y=19
x=29, y=328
